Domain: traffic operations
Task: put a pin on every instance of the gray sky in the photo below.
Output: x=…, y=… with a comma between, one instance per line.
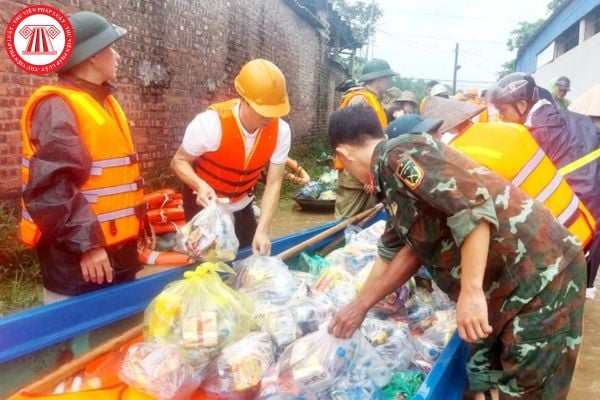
x=418, y=38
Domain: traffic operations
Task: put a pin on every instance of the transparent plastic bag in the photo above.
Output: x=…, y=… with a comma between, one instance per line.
x=353, y=257
x=392, y=341
x=265, y=279
x=329, y=180
x=297, y=318
x=210, y=235
x=428, y=348
x=338, y=284
x=417, y=314
x=309, y=191
x=160, y=371
x=238, y=371
x=199, y=314
x=310, y=366
x=390, y=304
x=370, y=236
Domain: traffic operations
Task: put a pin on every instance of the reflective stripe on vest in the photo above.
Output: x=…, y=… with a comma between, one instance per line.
x=228, y=170
x=509, y=150
x=114, y=185
x=371, y=99
x=580, y=162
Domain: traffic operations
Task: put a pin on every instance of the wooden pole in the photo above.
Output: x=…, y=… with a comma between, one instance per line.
x=48, y=382
x=292, y=251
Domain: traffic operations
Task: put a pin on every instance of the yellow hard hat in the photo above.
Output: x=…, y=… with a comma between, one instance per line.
x=262, y=84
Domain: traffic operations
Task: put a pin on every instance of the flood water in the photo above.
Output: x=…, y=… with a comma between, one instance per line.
x=290, y=219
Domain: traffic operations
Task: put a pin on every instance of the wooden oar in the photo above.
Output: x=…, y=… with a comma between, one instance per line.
x=333, y=245
x=292, y=251
x=48, y=382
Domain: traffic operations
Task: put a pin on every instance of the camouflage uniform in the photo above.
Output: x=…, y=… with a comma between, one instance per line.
x=535, y=275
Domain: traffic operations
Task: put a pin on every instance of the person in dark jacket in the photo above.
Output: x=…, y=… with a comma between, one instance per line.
x=82, y=188
x=565, y=137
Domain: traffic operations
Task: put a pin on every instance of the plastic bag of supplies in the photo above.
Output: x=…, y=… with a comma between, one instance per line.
x=311, y=366
x=209, y=236
x=160, y=371
x=265, y=279
x=238, y=371
x=199, y=314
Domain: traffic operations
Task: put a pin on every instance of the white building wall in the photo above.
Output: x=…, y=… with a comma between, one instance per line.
x=581, y=64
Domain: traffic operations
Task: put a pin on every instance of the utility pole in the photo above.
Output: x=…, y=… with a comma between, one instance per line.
x=456, y=67
x=370, y=30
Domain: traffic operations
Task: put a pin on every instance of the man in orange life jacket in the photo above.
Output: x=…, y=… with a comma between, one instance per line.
x=225, y=148
x=82, y=189
x=352, y=196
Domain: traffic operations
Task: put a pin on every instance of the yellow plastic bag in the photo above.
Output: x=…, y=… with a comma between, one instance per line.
x=199, y=314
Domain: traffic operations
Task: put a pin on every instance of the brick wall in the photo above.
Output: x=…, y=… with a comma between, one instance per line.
x=178, y=57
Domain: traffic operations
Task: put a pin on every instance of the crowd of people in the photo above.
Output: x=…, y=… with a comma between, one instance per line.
x=494, y=193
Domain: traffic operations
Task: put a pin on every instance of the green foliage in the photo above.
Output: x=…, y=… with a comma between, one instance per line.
x=518, y=37
x=417, y=86
x=20, y=278
x=507, y=68
x=357, y=14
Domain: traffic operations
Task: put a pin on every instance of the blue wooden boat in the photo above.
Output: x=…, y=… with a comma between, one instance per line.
x=32, y=341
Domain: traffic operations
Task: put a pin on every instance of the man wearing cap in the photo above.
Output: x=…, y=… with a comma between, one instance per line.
x=516, y=274
x=559, y=88
x=352, y=196
x=412, y=123
x=403, y=104
x=225, y=148
x=82, y=189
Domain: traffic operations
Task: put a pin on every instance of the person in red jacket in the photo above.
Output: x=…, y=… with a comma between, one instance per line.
x=225, y=148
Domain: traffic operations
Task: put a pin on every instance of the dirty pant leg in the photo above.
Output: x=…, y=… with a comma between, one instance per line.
x=351, y=199
x=593, y=259
x=535, y=355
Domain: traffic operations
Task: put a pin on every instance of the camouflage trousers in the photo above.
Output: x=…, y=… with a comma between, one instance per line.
x=534, y=356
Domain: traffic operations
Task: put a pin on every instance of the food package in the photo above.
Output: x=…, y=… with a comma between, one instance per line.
x=199, y=314
x=265, y=279
x=209, y=236
x=354, y=257
x=338, y=284
x=299, y=317
x=160, y=371
x=311, y=366
x=238, y=371
x=392, y=341
x=390, y=304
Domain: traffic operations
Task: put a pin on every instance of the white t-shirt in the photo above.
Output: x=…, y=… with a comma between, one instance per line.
x=204, y=134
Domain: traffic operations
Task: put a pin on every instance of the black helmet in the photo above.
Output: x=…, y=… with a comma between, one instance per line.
x=512, y=88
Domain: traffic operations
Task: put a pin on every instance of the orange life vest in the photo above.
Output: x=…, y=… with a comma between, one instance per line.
x=227, y=170
x=371, y=100
x=509, y=150
x=114, y=187
x=373, y=103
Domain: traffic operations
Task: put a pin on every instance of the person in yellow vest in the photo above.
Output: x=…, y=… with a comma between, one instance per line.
x=511, y=151
x=225, y=148
x=82, y=189
x=352, y=196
